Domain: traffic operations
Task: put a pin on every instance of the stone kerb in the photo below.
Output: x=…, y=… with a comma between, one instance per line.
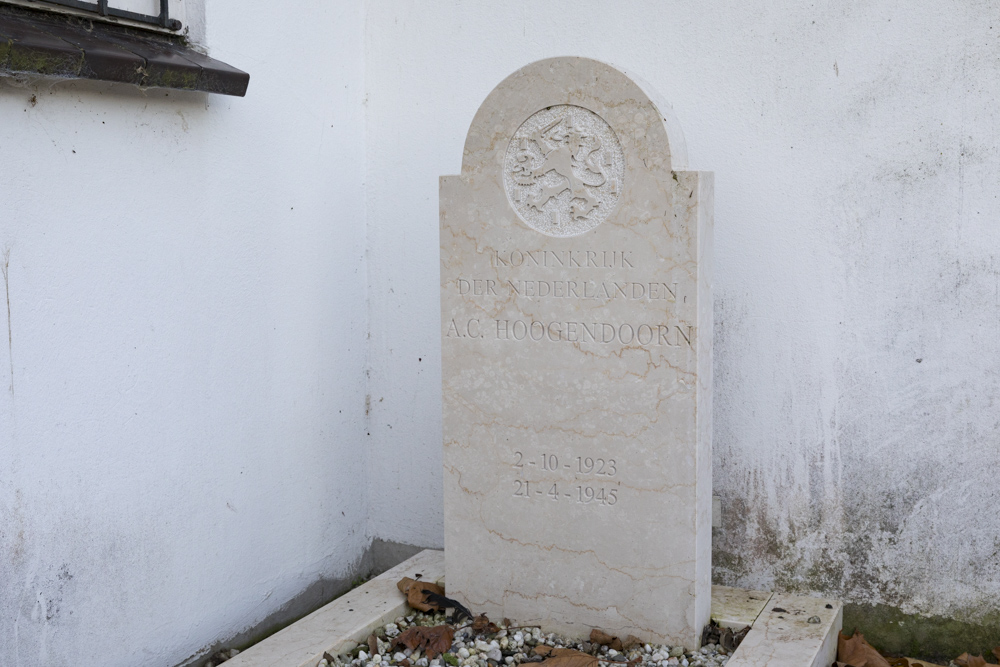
x=576, y=354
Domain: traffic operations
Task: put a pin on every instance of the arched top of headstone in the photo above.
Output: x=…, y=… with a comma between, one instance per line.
x=577, y=125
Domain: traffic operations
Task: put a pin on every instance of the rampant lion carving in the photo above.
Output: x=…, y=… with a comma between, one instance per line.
x=563, y=169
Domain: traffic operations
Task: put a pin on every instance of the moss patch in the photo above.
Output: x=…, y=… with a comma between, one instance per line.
x=932, y=638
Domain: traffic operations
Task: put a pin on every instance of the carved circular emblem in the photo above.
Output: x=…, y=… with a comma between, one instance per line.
x=563, y=170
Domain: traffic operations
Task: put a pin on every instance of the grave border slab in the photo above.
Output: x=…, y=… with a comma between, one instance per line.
x=776, y=638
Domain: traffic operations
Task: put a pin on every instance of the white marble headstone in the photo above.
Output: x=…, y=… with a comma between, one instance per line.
x=577, y=360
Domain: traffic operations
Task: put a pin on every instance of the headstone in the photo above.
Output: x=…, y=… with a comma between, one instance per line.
x=577, y=360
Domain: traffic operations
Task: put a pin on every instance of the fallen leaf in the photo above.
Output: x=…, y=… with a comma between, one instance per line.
x=441, y=603
x=405, y=662
x=567, y=657
x=604, y=639
x=631, y=642
x=966, y=660
x=898, y=662
x=730, y=639
x=372, y=644
x=996, y=652
x=543, y=650
x=482, y=624
x=416, y=593
x=856, y=652
x=434, y=641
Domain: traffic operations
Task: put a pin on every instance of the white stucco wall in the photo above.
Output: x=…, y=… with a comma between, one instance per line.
x=205, y=292
x=187, y=283
x=857, y=282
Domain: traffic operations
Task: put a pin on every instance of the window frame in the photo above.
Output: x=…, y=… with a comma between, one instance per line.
x=68, y=46
x=170, y=21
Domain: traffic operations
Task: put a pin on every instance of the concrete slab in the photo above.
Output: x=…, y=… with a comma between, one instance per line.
x=781, y=634
x=736, y=608
x=346, y=621
x=784, y=636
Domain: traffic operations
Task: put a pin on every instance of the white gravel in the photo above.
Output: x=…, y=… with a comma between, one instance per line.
x=514, y=646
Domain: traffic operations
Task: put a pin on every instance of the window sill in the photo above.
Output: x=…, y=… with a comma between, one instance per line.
x=60, y=46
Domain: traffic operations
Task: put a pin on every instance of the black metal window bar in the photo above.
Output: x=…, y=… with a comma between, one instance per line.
x=101, y=8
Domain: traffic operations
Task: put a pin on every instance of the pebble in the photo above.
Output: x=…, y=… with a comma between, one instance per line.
x=513, y=648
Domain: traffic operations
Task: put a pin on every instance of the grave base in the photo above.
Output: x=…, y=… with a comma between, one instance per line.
x=780, y=634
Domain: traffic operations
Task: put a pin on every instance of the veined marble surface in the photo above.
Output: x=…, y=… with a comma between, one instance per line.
x=736, y=608
x=792, y=630
x=577, y=358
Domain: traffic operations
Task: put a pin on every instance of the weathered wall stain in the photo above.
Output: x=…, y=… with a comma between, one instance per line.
x=857, y=231
x=5, y=267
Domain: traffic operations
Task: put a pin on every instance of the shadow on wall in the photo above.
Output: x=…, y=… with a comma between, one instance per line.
x=379, y=557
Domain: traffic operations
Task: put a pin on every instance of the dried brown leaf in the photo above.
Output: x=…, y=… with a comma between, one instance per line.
x=967, y=660
x=433, y=641
x=600, y=637
x=631, y=642
x=604, y=639
x=416, y=593
x=372, y=644
x=996, y=652
x=856, y=652
x=543, y=650
x=567, y=657
x=482, y=624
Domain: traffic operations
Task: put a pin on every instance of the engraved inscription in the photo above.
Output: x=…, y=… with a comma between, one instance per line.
x=572, y=491
x=657, y=335
x=583, y=495
x=563, y=170
x=569, y=289
x=595, y=332
x=562, y=259
x=582, y=465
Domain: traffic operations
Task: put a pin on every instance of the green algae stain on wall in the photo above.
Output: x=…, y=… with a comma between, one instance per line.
x=932, y=638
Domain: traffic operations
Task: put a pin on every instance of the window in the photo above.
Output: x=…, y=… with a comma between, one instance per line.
x=160, y=15
x=141, y=42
